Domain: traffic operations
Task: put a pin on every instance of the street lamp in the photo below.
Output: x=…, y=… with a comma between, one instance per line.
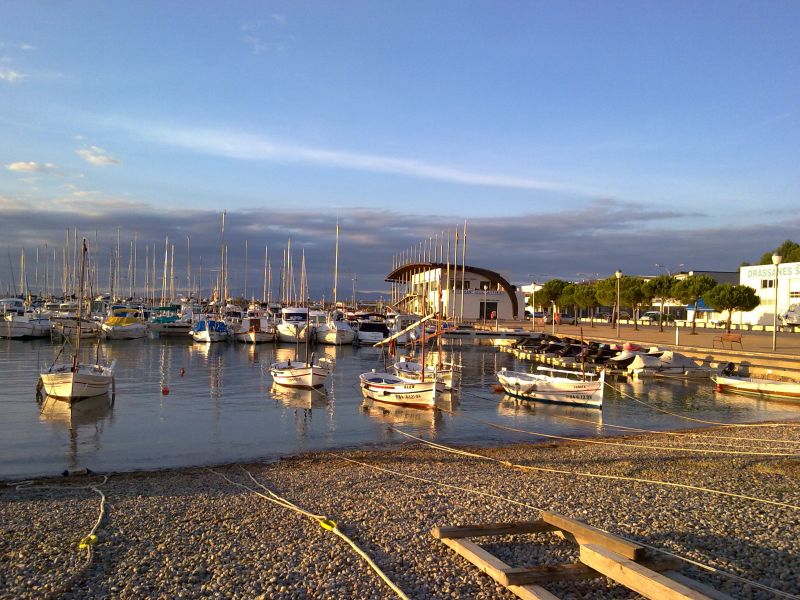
x=618, y=275
x=776, y=260
x=485, y=289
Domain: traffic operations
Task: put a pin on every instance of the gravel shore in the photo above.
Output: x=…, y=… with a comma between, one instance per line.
x=190, y=534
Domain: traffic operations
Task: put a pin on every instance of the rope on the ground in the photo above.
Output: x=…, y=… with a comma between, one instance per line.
x=595, y=475
x=87, y=542
x=666, y=412
x=324, y=522
x=705, y=567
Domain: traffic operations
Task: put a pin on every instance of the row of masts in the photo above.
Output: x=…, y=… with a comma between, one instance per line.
x=56, y=273
x=433, y=266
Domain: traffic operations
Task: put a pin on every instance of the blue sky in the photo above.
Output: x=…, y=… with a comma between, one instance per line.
x=568, y=134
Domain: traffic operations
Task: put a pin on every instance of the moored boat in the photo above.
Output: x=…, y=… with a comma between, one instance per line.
x=210, y=330
x=124, y=324
x=753, y=386
x=391, y=389
x=553, y=388
x=299, y=374
x=412, y=371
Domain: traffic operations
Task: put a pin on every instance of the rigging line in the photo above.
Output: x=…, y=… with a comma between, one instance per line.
x=699, y=420
x=709, y=568
x=598, y=475
x=323, y=521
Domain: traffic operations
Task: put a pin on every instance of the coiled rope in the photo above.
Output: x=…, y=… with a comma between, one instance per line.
x=595, y=475
x=703, y=566
x=87, y=542
x=324, y=522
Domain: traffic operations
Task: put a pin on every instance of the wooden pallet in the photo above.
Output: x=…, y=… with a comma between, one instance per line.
x=601, y=554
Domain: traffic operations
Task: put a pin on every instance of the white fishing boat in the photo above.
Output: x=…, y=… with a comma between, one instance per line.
x=391, y=389
x=76, y=381
x=564, y=389
x=412, y=371
x=766, y=388
x=125, y=323
x=68, y=328
x=294, y=325
x=299, y=374
x=255, y=328
x=15, y=327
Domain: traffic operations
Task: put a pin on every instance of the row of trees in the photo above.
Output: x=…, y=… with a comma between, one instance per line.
x=636, y=293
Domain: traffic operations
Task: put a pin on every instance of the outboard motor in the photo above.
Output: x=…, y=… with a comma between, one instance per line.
x=729, y=369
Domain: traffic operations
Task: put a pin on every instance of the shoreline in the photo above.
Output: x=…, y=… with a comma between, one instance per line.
x=187, y=532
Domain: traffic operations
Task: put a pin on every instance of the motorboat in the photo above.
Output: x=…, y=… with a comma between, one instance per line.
x=335, y=330
x=667, y=364
x=371, y=332
x=727, y=381
x=294, y=325
x=67, y=327
x=210, y=330
x=124, y=323
x=391, y=389
x=564, y=388
x=172, y=319
x=255, y=328
x=399, y=324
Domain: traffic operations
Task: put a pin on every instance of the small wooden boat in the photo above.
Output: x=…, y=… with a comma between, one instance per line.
x=752, y=386
x=391, y=389
x=552, y=388
x=299, y=374
x=412, y=371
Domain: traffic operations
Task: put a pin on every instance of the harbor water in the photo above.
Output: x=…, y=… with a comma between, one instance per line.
x=179, y=404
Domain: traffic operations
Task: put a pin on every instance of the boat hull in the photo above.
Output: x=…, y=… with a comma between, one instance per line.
x=390, y=389
x=766, y=388
x=88, y=381
x=553, y=389
x=125, y=332
x=332, y=335
x=299, y=375
x=254, y=337
x=411, y=371
x=170, y=329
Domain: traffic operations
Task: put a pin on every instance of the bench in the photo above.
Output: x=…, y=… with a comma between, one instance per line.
x=731, y=338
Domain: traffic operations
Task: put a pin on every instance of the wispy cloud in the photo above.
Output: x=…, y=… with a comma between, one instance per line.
x=97, y=156
x=17, y=45
x=232, y=144
x=11, y=76
x=31, y=167
x=255, y=43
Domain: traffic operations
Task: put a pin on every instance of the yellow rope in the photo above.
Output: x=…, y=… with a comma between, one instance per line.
x=709, y=568
x=595, y=475
x=324, y=522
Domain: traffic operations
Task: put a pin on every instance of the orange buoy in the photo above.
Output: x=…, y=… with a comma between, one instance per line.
x=164, y=391
x=182, y=371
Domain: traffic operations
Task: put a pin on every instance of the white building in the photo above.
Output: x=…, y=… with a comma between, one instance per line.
x=762, y=278
x=471, y=294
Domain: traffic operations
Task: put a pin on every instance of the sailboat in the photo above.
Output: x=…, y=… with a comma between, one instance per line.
x=77, y=380
x=335, y=330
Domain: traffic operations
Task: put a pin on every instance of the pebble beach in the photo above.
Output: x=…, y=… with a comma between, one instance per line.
x=190, y=533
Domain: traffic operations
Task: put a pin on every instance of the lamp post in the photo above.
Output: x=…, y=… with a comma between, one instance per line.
x=485, y=289
x=618, y=275
x=776, y=260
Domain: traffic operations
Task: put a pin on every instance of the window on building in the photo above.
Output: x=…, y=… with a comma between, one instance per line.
x=767, y=283
x=794, y=294
x=485, y=285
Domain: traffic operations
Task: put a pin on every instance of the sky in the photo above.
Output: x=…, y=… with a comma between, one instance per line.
x=574, y=138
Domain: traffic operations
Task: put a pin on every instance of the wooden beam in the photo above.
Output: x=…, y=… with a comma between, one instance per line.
x=512, y=528
x=586, y=534
x=531, y=592
x=703, y=588
x=572, y=571
x=484, y=560
x=634, y=576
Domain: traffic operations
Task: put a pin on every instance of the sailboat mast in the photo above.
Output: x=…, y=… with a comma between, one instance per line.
x=80, y=311
x=336, y=266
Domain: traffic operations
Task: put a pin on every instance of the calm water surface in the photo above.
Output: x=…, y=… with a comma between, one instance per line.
x=224, y=408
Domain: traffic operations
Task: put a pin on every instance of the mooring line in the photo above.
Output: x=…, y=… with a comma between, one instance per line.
x=324, y=522
x=691, y=561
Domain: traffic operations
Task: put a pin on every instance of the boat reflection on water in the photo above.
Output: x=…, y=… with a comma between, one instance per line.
x=299, y=398
x=510, y=406
x=89, y=415
x=392, y=414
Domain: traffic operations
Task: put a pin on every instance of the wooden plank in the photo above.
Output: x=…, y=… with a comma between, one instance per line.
x=484, y=560
x=531, y=592
x=570, y=571
x=703, y=588
x=634, y=576
x=586, y=534
x=512, y=528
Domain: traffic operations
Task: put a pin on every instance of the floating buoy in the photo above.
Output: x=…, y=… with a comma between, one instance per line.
x=164, y=391
x=182, y=371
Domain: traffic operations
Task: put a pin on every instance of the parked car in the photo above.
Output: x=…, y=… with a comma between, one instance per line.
x=651, y=316
x=565, y=319
x=623, y=314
